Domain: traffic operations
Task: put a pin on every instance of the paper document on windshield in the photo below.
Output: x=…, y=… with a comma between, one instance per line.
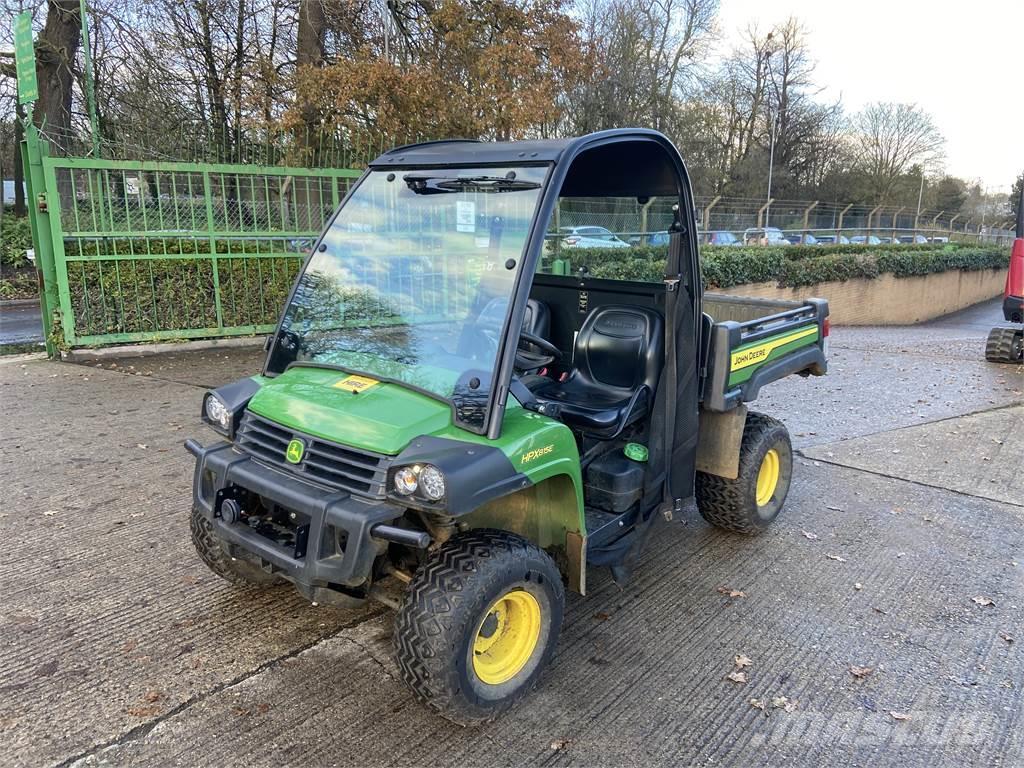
x=465, y=216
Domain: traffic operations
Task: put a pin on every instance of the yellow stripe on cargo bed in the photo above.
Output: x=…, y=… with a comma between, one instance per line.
x=744, y=358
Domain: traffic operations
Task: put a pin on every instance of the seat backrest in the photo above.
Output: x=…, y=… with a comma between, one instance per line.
x=537, y=319
x=620, y=347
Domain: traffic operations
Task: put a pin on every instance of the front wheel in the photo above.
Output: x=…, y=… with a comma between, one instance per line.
x=479, y=624
x=754, y=499
x=210, y=551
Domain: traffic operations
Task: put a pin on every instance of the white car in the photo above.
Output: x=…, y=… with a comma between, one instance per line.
x=590, y=237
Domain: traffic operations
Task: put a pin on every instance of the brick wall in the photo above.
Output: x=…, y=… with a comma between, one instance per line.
x=889, y=300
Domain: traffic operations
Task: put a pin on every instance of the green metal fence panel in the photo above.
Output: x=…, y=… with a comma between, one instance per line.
x=165, y=250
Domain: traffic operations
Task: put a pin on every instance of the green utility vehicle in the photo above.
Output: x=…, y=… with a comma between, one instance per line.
x=456, y=416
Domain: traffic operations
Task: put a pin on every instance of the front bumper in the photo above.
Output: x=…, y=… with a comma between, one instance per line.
x=333, y=547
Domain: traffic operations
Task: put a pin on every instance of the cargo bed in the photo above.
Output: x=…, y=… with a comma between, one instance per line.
x=750, y=342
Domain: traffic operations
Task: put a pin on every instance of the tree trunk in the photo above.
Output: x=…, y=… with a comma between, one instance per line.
x=56, y=50
x=309, y=54
x=310, y=36
x=20, y=208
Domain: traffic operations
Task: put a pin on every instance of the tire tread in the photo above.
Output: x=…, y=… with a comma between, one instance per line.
x=424, y=649
x=723, y=501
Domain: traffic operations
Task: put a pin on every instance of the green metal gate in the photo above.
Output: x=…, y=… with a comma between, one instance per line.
x=134, y=251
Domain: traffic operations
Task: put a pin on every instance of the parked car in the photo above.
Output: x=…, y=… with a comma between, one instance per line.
x=831, y=240
x=861, y=240
x=796, y=238
x=938, y=239
x=886, y=240
x=591, y=237
x=657, y=238
x=912, y=239
x=764, y=236
x=720, y=238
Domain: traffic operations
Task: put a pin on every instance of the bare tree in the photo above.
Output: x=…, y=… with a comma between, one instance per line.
x=646, y=52
x=890, y=138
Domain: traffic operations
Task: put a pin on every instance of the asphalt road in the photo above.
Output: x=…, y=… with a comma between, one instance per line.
x=20, y=321
x=901, y=549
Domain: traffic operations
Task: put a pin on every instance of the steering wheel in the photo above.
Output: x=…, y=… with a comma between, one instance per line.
x=527, y=359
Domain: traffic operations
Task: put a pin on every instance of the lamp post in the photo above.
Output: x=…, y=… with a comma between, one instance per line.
x=920, y=194
x=771, y=167
x=775, y=126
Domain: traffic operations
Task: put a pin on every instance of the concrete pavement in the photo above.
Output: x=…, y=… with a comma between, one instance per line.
x=900, y=550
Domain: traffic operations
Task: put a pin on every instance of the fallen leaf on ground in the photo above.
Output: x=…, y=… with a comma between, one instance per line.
x=731, y=592
x=759, y=704
x=560, y=744
x=809, y=535
x=980, y=600
x=898, y=715
x=143, y=446
x=602, y=616
x=153, y=696
x=858, y=586
x=837, y=558
x=836, y=509
x=737, y=677
x=1006, y=636
x=50, y=512
x=742, y=661
x=143, y=711
x=783, y=702
x=860, y=672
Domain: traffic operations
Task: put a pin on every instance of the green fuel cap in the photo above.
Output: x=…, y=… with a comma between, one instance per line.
x=636, y=452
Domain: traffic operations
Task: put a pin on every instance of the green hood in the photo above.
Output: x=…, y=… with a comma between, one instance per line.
x=383, y=417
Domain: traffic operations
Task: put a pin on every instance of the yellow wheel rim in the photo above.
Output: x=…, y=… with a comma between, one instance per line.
x=507, y=637
x=768, y=477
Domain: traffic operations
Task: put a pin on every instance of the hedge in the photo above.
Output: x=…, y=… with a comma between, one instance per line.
x=147, y=295
x=15, y=239
x=725, y=267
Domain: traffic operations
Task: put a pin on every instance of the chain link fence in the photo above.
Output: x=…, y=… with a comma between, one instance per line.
x=800, y=221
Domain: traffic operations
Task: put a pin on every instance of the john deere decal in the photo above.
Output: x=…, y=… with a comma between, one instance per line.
x=295, y=450
x=744, y=360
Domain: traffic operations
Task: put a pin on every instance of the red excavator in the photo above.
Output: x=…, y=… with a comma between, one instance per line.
x=1006, y=342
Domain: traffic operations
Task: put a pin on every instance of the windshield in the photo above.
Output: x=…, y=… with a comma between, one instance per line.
x=412, y=280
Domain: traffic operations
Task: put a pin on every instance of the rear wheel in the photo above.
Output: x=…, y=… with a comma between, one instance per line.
x=220, y=562
x=479, y=624
x=749, y=503
x=1005, y=345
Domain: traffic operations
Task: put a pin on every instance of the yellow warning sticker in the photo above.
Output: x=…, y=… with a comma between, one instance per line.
x=356, y=384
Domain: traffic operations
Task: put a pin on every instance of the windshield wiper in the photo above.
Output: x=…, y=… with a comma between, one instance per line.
x=430, y=184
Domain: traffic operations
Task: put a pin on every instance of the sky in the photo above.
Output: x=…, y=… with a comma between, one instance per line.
x=963, y=62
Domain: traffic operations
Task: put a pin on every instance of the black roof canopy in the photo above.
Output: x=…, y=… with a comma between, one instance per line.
x=473, y=152
x=605, y=171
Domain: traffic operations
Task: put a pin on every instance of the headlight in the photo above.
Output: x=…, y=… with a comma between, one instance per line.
x=422, y=479
x=406, y=481
x=432, y=483
x=218, y=413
